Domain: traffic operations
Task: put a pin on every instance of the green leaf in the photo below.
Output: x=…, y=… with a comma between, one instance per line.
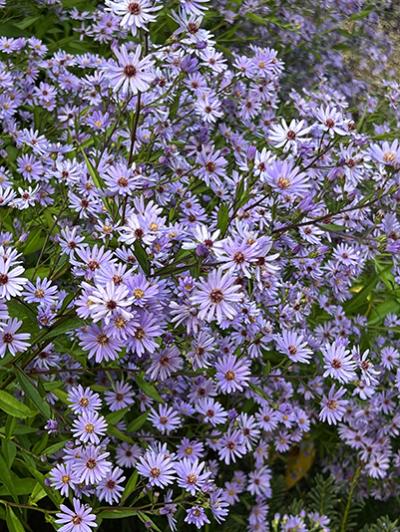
x=223, y=218
x=335, y=228
x=64, y=326
x=94, y=174
x=21, y=486
x=142, y=257
x=113, y=431
x=13, y=523
x=361, y=14
x=13, y=407
x=379, y=312
x=137, y=423
x=117, y=514
x=29, y=21
x=37, y=494
x=130, y=486
x=9, y=450
x=148, y=388
x=7, y=479
x=360, y=298
x=54, y=448
x=115, y=417
x=34, y=242
x=33, y=394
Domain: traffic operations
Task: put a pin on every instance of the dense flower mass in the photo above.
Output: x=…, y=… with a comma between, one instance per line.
x=199, y=266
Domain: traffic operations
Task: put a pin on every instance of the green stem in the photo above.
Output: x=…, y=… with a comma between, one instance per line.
x=353, y=484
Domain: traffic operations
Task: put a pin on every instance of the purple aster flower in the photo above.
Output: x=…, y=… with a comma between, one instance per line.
x=83, y=400
x=212, y=411
x=164, y=363
x=287, y=136
x=165, y=420
x=107, y=301
x=43, y=292
x=286, y=179
x=158, y=467
x=292, y=344
x=63, y=478
x=92, y=465
x=147, y=329
x=135, y=15
x=217, y=297
x=231, y=446
x=212, y=165
x=128, y=454
x=378, y=465
x=331, y=120
x=141, y=290
x=11, y=282
x=100, y=345
x=196, y=516
x=267, y=418
x=89, y=427
x=131, y=74
x=386, y=153
x=338, y=362
x=110, y=489
x=80, y=519
x=190, y=449
x=260, y=482
x=333, y=406
x=12, y=341
x=232, y=374
x=120, y=396
x=191, y=476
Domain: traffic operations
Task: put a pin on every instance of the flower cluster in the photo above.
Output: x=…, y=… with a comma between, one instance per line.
x=198, y=274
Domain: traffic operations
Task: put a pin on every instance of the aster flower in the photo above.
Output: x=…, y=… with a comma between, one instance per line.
x=385, y=153
x=190, y=449
x=338, y=362
x=331, y=121
x=11, y=340
x=108, y=301
x=80, y=519
x=164, y=363
x=260, y=482
x=135, y=14
x=165, y=420
x=212, y=411
x=83, y=400
x=232, y=374
x=89, y=427
x=287, y=136
x=63, y=478
x=131, y=74
x=11, y=282
x=120, y=396
x=333, y=406
x=217, y=297
x=43, y=292
x=292, y=344
x=159, y=468
x=196, y=516
x=128, y=454
x=147, y=329
x=231, y=446
x=190, y=475
x=92, y=465
x=286, y=179
x=99, y=344
x=110, y=489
